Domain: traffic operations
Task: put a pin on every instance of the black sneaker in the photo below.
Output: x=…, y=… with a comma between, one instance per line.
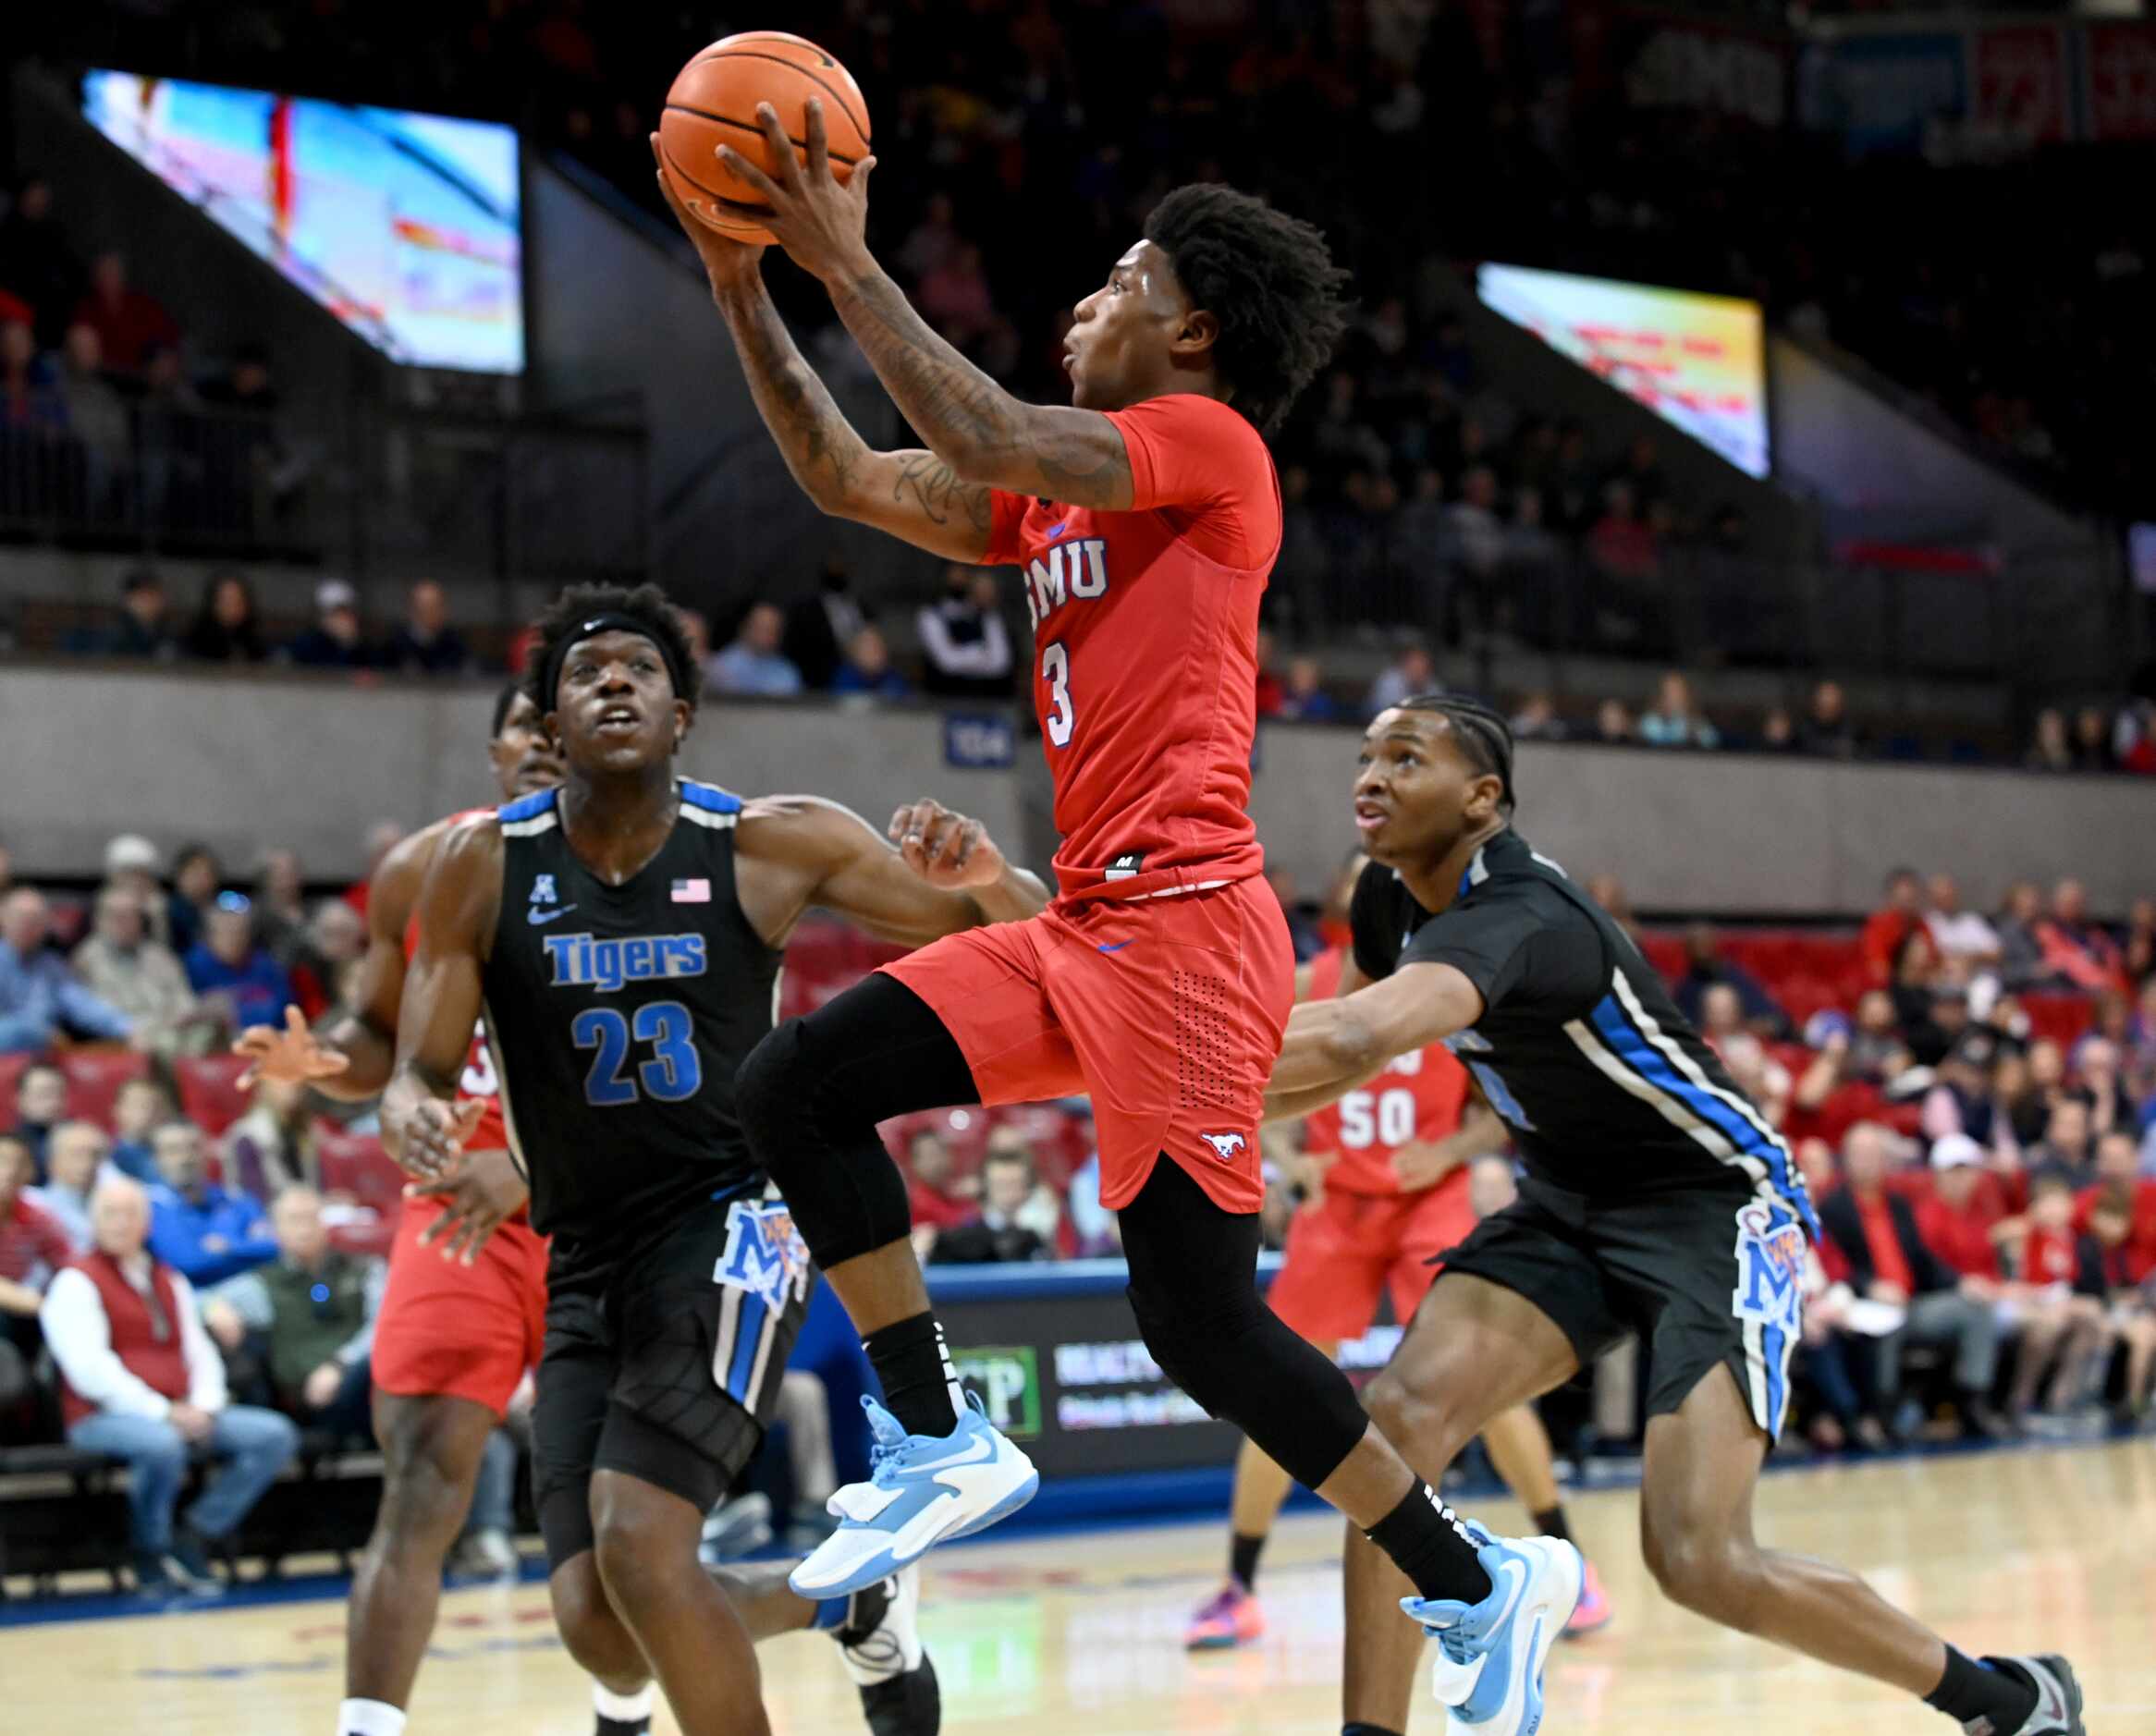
x=2058, y=1698
x=880, y=1642
x=190, y=1554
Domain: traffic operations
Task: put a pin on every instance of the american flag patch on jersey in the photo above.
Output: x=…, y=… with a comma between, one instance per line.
x=696, y=891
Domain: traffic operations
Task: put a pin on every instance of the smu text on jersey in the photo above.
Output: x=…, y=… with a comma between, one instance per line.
x=1076, y=569
x=591, y=961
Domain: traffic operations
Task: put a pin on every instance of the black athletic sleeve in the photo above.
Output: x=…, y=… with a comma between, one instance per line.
x=1517, y=941
x=1374, y=916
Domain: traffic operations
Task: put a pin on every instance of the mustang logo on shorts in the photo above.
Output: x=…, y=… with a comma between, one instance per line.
x=1226, y=1144
x=765, y=1253
x=1771, y=1252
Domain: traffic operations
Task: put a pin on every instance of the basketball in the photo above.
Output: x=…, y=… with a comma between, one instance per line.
x=713, y=101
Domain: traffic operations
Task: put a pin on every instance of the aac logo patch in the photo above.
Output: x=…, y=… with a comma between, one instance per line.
x=765, y=1253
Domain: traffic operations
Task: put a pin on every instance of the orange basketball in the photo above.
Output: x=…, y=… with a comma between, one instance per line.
x=714, y=103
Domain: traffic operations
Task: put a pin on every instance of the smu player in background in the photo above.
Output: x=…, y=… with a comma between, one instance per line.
x=1147, y=518
x=1387, y=1171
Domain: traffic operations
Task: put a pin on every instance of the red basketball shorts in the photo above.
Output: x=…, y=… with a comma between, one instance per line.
x=1346, y=1252
x=462, y=1331
x=1166, y=1011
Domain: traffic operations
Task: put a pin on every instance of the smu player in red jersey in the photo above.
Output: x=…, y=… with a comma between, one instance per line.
x=455, y=1336
x=1388, y=1165
x=463, y=1318
x=1145, y=517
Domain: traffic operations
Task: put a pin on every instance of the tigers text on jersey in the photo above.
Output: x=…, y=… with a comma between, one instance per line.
x=1607, y=1092
x=618, y=1016
x=1145, y=651
x=1418, y=1098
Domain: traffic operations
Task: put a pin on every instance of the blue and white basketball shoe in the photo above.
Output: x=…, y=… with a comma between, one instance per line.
x=921, y=1490
x=1490, y=1673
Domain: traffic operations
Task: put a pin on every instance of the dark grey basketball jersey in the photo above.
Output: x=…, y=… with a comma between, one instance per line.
x=1606, y=1087
x=618, y=1016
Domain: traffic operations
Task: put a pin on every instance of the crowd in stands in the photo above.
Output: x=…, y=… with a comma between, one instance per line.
x=103, y=419
x=191, y=1269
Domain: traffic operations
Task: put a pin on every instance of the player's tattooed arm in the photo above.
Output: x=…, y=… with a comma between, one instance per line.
x=798, y=851
x=912, y=495
x=423, y=1125
x=1329, y=1041
x=981, y=431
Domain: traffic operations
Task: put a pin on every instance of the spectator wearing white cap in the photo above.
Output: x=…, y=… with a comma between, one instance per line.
x=335, y=641
x=1964, y=1223
x=126, y=966
x=133, y=864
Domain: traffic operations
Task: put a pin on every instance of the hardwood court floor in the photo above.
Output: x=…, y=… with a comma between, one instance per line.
x=1079, y=1633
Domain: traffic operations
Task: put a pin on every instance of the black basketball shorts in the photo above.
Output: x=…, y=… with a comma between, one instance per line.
x=668, y=1367
x=1701, y=1275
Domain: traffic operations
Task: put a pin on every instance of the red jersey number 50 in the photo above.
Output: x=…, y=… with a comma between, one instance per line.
x=1056, y=672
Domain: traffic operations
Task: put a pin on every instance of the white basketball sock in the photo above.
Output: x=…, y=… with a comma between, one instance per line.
x=625, y=1708
x=368, y=1718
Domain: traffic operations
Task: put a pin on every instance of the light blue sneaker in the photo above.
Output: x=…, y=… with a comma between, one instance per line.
x=1505, y=1639
x=921, y=1490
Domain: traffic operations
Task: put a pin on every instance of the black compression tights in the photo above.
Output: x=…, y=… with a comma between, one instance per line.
x=810, y=1097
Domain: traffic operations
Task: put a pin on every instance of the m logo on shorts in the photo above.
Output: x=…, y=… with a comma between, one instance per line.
x=765, y=1253
x=1226, y=1145
x=1772, y=1252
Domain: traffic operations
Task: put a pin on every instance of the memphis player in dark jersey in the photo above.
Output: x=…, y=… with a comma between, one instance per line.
x=621, y=936
x=1656, y=1200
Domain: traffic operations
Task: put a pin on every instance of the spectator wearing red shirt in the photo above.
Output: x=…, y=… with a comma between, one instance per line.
x=128, y=323
x=2075, y=948
x=2058, y=1330
x=1887, y=931
x=383, y=837
x=2119, y=1210
x=33, y=1246
x=1271, y=696
x=1876, y=1233
x=939, y=1202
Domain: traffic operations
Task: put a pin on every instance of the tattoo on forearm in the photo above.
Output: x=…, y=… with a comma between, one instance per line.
x=818, y=443
x=929, y=480
x=949, y=399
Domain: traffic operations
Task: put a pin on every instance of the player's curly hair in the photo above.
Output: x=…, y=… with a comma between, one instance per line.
x=1269, y=278
x=561, y=626
x=1481, y=733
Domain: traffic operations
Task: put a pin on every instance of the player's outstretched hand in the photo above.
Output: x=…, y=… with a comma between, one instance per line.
x=726, y=260
x=294, y=1055
x=822, y=226
x=433, y=1141
x=945, y=849
x=482, y=1192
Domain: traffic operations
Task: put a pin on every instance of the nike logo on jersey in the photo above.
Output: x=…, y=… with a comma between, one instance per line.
x=1117, y=946
x=1226, y=1144
x=1057, y=530
x=536, y=917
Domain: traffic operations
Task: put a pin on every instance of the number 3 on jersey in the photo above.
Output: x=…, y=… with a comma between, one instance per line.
x=674, y=1073
x=1056, y=672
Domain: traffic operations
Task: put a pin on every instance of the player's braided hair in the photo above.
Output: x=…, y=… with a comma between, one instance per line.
x=562, y=625
x=1481, y=734
x=1269, y=278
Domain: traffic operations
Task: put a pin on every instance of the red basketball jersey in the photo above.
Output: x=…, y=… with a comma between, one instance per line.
x=478, y=1078
x=1145, y=652
x=1419, y=1097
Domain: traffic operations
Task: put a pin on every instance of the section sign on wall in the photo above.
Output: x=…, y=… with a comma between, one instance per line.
x=403, y=226
x=1697, y=361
